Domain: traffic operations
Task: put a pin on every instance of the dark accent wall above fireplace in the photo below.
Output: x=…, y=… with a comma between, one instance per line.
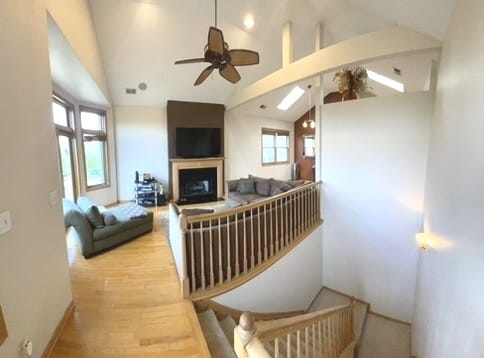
x=193, y=115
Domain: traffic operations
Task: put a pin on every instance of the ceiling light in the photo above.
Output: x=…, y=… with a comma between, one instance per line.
x=398, y=86
x=248, y=21
x=289, y=100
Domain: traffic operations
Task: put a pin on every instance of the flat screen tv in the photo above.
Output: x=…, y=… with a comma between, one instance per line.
x=198, y=142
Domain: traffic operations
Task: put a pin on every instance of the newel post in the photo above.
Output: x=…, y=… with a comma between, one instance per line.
x=244, y=333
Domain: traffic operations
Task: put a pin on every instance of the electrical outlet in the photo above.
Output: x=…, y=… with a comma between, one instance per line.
x=5, y=222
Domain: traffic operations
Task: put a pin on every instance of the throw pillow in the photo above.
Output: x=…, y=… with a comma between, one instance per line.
x=109, y=219
x=275, y=191
x=246, y=186
x=263, y=187
x=295, y=183
x=94, y=217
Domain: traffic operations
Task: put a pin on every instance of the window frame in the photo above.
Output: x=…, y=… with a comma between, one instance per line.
x=101, y=135
x=69, y=132
x=275, y=132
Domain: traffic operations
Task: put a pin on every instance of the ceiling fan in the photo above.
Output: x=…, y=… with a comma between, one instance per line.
x=218, y=54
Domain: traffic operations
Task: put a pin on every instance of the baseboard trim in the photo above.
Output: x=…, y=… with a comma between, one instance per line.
x=60, y=326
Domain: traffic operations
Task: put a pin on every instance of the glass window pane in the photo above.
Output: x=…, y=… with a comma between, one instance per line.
x=94, y=152
x=268, y=155
x=90, y=120
x=268, y=140
x=282, y=155
x=60, y=113
x=282, y=141
x=309, y=151
x=66, y=167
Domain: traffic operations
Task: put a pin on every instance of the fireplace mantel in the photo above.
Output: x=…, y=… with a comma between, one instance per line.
x=177, y=164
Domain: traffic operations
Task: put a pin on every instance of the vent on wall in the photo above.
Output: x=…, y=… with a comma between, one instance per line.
x=130, y=90
x=397, y=71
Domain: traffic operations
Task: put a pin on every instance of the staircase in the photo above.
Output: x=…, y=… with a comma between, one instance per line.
x=374, y=335
x=219, y=334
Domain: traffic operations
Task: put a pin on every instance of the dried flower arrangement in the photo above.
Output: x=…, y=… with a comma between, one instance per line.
x=353, y=78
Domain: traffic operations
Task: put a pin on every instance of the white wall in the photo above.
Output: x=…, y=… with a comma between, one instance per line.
x=374, y=156
x=243, y=146
x=290, y=284
x=34, y=275
x=142, y=144
x=449, y=315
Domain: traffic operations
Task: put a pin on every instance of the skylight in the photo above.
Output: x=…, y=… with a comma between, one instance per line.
x=290, y=99
x=398, y=86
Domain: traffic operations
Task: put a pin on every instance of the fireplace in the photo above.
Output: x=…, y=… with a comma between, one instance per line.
x=197, y=185
x=197, y=180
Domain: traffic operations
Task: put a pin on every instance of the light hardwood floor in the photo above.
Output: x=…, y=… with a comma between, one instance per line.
x=128, y=303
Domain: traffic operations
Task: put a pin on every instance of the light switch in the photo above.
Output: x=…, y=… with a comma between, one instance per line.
x=5, y=223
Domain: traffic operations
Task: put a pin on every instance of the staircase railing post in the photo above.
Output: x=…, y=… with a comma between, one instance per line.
x=185, y=284
x=244, y=333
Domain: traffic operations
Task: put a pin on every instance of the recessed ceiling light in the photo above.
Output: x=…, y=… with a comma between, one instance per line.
x=397, y=86
x=249, y=21
x=142, y=86
x=290, y=99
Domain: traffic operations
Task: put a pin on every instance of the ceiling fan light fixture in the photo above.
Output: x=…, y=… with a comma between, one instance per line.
x=290, y=99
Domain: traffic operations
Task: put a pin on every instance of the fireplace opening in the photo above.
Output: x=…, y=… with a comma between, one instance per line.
x=197, y=185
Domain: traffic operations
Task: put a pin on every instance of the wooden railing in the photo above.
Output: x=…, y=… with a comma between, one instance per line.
x=219, y=251
x=328, y=333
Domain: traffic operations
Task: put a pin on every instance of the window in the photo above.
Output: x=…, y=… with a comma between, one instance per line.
x=275, y=146
x=62, y=113
x=308, y=143
x=94, y=139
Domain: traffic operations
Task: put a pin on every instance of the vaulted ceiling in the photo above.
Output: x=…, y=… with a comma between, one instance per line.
x=140, y=40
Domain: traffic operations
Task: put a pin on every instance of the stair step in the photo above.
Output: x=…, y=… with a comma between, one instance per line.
x=328, y=298
x=228, y=324
x=217, y=342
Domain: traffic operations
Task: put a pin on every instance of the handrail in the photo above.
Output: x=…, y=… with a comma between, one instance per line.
x=222, y=250
x=327, y=333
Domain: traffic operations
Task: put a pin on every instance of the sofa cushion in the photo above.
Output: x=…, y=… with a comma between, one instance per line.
x=246, y=186
x=263, y=187
x=94, y=217
x=279, y=186
x=109, y=219
x=295, y=183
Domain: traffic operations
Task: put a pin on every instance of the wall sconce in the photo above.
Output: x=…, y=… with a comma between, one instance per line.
x=423, y=240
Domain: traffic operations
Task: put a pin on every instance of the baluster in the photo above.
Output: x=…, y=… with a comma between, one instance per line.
x=313, y=332
x=212, y=276
x=288, y=345
x=271, y=236
x=304, y=202
x=298, y=343
x=202, y=255
x=276, y=214
x=252, y=257
x=300, y=211
x=220, y=271
x=192, y=258
x=286, y=220
x=291, y=222
x=237, y=267
x=326, y=352
x=259, y=238
x=276, y=347
x=265, y=232
x=306, y=341
x=245, y=241
x=320, y=340
x=228, y=240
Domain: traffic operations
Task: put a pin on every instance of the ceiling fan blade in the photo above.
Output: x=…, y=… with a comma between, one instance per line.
x=203, y=76
x=229, y=73
x=215, y=40
x=243, y=57
x=191, y=60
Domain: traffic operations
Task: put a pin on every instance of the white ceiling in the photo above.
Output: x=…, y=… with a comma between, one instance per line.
x=141, y=39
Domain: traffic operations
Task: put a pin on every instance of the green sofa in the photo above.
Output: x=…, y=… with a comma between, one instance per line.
x=100, y=229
